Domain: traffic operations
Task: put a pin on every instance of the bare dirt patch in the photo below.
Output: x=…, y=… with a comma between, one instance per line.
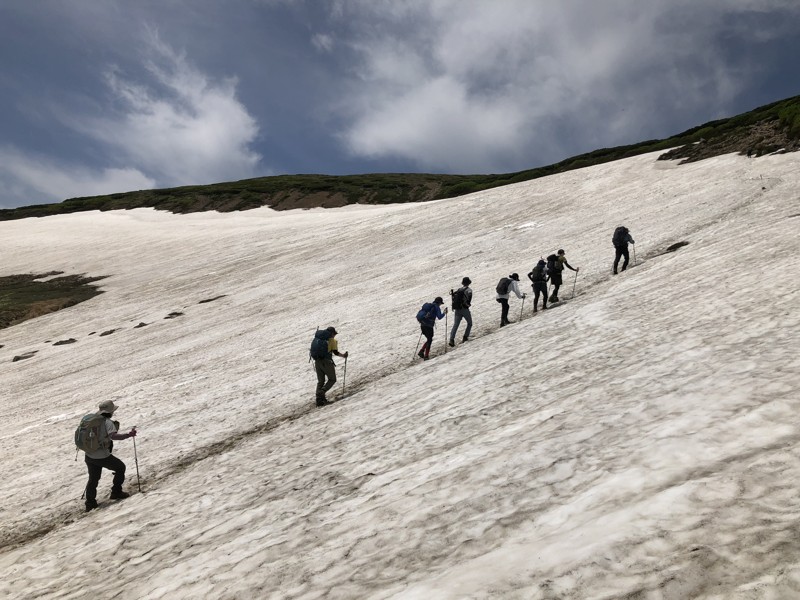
x=24, y=297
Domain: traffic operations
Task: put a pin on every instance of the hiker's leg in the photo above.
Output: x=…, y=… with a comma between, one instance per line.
x=95, y=472
x=617, y=256
x=330, y=372
x=112, y=463
x=428, y=333
x=456, y=322
x=320, y=370
x=504, y=312
x=627, y=258
x=536, y=293
x=468, y=318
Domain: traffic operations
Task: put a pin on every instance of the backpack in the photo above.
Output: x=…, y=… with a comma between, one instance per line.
x=503, y=285
x=319, y=345
x=91, y=434
x=427, y=312
x=552, y=264
x=537, y=274
x=620, y=236
x=459, y=299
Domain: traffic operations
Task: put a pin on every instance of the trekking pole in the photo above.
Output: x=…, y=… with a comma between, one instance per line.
x=634, y=255
x=344, y=376
x=445, y=332
x=521, y=308
x=136, y=460
x=419, y=339
x=573, y=284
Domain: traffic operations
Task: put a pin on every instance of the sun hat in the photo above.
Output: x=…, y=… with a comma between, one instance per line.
x=107, y=406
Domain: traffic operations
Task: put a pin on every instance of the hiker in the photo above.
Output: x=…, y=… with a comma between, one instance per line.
x=620, y=239
x=462, y=300
x=555, y=268
x=323, y=347
x=538, y=277
x=427, y=317
x=504, y=289
x=102, y=458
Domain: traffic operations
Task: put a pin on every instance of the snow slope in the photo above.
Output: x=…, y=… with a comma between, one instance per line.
x=639, y=441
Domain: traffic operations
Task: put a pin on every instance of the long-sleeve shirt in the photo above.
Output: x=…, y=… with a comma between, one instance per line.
x=512, y=287
x=433, y=312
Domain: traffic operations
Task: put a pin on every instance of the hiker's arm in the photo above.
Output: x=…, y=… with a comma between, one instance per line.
x=569, y=266
x=630, y=239
x=337, y=353
x=123, y=436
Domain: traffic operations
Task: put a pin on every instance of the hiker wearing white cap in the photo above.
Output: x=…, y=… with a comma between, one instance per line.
x=504, y=288
x=101, y=458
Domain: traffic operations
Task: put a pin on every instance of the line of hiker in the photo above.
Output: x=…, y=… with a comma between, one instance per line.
x=546, y=270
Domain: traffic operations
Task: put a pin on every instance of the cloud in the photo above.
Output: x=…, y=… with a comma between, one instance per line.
x=32, y=179
x=470, y=85
x=178, y=125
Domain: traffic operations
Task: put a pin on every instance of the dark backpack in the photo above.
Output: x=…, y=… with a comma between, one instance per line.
x=503, y=285
x=537, y=274
x=620, y=236
x=459, y=299
x=552, y=263
x=91, y=434
x=319, y=345
x=427, y=312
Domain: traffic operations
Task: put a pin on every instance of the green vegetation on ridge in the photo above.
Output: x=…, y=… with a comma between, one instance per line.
x=766, y=129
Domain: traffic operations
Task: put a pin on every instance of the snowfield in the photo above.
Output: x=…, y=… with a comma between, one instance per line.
x=639, y=441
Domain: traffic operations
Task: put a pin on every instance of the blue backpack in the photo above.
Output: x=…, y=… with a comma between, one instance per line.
x=427, y=312
x=319, y=345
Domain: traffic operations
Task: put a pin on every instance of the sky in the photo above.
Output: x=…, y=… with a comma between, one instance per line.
x=640, y=440
x=112, y=96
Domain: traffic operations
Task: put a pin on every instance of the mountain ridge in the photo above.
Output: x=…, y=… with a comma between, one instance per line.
x=766, y=129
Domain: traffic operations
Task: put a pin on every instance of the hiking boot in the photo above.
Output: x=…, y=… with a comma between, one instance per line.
x=91, y=505
x=544, y=308
x=451, y=343
x=119, y=495
x=465, y=339
x=322, y=403
x=535, y=309
x=421, y=354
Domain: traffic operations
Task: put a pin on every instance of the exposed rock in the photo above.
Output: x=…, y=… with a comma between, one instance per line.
x=24, y=356
x=65, y=342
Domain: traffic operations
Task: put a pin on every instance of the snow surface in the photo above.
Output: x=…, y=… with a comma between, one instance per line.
x=639, y=441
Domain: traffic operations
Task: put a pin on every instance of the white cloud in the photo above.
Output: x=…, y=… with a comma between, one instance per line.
x=459, y=84
x=322, y=42
x=29, y=179
x=179, y=127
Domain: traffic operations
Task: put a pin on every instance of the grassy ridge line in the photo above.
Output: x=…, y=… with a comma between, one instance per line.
x=306, y=191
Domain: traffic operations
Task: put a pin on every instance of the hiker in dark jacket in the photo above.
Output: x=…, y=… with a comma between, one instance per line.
x=103, y=459
x=324, y=365
x=502, y=298
x=464, y=292
x=621, y=239
x=538, y=277
x=427, y=317
x=555, y=271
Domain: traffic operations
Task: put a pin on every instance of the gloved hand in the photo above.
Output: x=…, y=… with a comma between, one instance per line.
x=346, y=354
x=132, y=433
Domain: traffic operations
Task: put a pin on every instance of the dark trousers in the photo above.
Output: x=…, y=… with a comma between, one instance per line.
x=326, y=369
x=504, y=312
x=621, y=251
x=95, y=467
x=539, y=287
x=427, y=331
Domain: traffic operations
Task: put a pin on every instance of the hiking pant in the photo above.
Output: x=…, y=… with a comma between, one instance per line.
x=461, y=313
x=539, y=287
x=504, y=312
x=427, y=331
x=95, y=467
x=325, y=368
x=554, y=295
x=621, y=251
